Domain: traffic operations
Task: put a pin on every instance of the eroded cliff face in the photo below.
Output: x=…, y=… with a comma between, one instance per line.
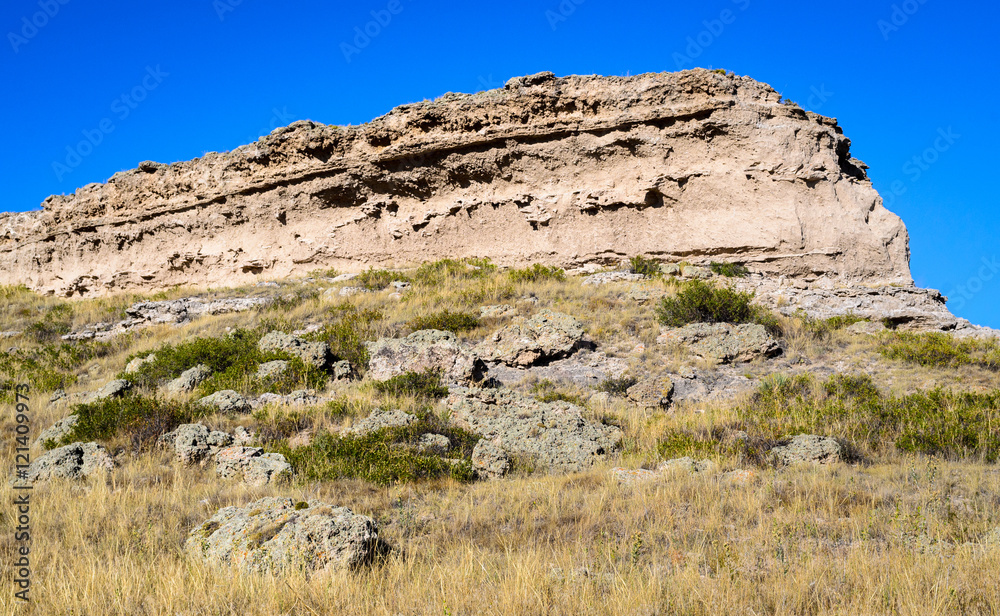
x=694, y=165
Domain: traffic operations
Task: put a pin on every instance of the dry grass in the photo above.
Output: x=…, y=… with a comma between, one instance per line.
x=901, y=535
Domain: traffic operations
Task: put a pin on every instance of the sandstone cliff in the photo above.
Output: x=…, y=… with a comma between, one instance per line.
x=695, y=165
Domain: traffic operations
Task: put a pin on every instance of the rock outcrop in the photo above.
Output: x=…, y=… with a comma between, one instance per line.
x=694, y=166
x=75, y=461
x=427, y=349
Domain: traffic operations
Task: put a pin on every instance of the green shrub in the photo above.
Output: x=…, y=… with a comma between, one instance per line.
x=536, y=273
x=376, y=280
x=700, y=302
x=348, y=334
x=55, y=323
x=426, y=384
x=446, y=320
x=641, y=265
x=437, y=272
x=680, y=443
x=47, y=368
x=142, y=420
x=384, y=457
x=547, y=391
x=941, y=350
x=617, y=387
x=823, y=328
x=729, y=270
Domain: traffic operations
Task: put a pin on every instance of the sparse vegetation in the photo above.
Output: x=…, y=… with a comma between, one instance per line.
x=537, y=272
x=547, y=391
x=139, y=419
x=376, y=280
x=941, y=350
x=729, y=270
x=348, y=333
x=425, y=384
x=446, y=320
x=641, y=265
x=700, y=302
x=617, y=386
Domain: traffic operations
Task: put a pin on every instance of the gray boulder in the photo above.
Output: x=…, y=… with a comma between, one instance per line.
x=57, y=431
x=271, y=369
x=554, y=434
x=547, y=335
x=188, y=380
x=195, y=442
x=584, y=368
x=652, y=392
x=435, y=444
x=688, y=465
x=227, y=401
x=489, y=460
x=380, y=419
x=724, y=342
x=280, y=535
x=808, y=448
x=252, y=465
x=311, y=353
x=139, y=362
x=427, y=349
x=695, y=271
x=609, y=277
x=341, y=370
x=76, y=461
x=114, y=389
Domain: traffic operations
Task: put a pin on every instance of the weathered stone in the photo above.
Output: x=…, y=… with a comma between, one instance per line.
x=870, y=328
x=271, y=369
x=547, y=335
x=57, y=431
x=341, y=370
x=194, y=443
x=723, y=342
x=634, y=475
x=139, y=362
x=687, y=464
x=670, y=269
x=489, y=460
x=279, y=535
x=436, y=444
x=808, y=448
x=227, y=401
x=609, y=277
x=695, y=271
x=380, y=419
x=114, y=389
x=427, y=349
x=183, y=310
x=652, y=392
x=497, y=311
x=584, y=368
x=188, y=380
x=76, y=461
x=312, y=353
x=252, y=465
x=554, y=434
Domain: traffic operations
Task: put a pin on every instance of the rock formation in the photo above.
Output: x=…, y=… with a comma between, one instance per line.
x=695, y=166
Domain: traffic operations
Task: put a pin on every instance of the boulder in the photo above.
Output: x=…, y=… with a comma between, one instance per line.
x=252, y=465
x=695, y=271
x=341, y=370
x=271, y=369
x=545, y=336
x=808, y=448
x=427, y=349
x=608, y=277
x=114, y=389
x=380, y=419
x=434, y=444
x=57, y=431
x=188, y=380
x=139, y=362
x=553, y=434
x=227, y=401
x=652, y=392
x=688, y=465
x=311, y=353
x=497, y=311
x=195, y=442
x=634, y=475
x=76, y=461
x=723, y=342
x=276, y=535
x=489, y=460
x=584, y=368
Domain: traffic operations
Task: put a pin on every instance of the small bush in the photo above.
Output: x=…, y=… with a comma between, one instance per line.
x=641, y=265
x=617, y=387
x=941, y=350
x=142, y=420
x=376, y=280
x=700, y=302
x=729, y=270
x=680, y=443
x=536, y=273
x=823, y=328
x=56, y=322
x=348, y=334
x=446, y=320
x=48, y=367
x=426, y=384
x=437, y=272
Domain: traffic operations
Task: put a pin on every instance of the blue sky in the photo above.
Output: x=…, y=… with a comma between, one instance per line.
x=94, y=88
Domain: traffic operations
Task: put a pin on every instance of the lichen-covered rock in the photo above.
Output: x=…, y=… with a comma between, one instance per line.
x=188, y=380
x=340, y=370
x=279, y=535
x=688, y=465
x=227, y=401
x=380, y=419
x=608, y=277
x=57, y=431
x=311, y=353
x=271, y=369
x=75, y=461
x=724, y=342
x=427, y=349
x=434, y=444
x=553, y=434
x=695, y=271
x=252, y=465
x=497, y=311
x=139, y=362
x=547, y=335
x=113, y=389
x=584, y=368
x=634, y=475
x=808, y=448
x=489, y=460
x=195, y=443
x=652, y=392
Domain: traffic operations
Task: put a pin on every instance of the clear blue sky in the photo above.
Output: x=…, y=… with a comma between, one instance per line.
x=214, y=75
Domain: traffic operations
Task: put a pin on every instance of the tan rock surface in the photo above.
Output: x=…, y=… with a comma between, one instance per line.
x=694, y=165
